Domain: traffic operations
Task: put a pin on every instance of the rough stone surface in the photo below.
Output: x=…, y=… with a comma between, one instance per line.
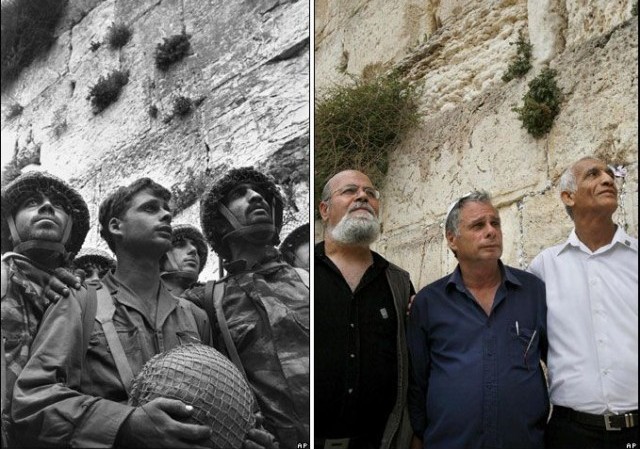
x=469, y=137
x=247, y=76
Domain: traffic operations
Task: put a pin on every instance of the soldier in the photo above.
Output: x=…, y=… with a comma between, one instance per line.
x=262, y=306
x=95, y=264
x=183, y=263
x=44, y=223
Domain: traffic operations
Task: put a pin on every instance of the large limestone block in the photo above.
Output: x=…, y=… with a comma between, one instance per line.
x=252, y=116
x=92, y=29
x=547, y=28
x=478, y=146
x=75, y=12
x=44, y=71
x=599, y=115
x=587, y=19
x=544, y=223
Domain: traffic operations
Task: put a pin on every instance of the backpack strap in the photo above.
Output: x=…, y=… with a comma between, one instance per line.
x=104, y=315
x=218, y=293
x=304, y=275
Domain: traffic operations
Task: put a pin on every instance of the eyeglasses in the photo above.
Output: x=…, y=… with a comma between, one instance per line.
x=351, y=190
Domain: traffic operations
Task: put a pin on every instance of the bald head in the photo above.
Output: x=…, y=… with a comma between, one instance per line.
x=340, y=178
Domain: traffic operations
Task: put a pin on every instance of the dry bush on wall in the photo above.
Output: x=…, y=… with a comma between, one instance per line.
x=357, y=125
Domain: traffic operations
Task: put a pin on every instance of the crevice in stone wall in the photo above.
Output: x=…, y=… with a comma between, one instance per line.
x=298, y=49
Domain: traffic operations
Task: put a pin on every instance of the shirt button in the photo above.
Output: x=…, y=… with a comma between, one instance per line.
x=352, y=325
x=350, y=390
x=353, y=356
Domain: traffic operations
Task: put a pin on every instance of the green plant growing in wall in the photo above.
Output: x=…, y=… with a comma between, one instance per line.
x=521, y=63
x=27, y=30
x=541, y=104
x=107, y=90
x=634, y=9
x=357, y=125
x=185, y=195
x=118, y=35
x=172, y=50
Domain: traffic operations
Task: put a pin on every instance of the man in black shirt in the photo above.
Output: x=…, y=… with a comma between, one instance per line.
x=361, y=364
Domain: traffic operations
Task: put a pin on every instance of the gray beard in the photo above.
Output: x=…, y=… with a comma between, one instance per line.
x=356, y=230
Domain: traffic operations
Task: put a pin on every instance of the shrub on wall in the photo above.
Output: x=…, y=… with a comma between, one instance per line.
x=172, y=50
x=521, y=63
x=182, y=106
x=107, y=90
x=357, y=125
x=27, y=31
x=185, y=195
x=118, y=35
x=541, y=104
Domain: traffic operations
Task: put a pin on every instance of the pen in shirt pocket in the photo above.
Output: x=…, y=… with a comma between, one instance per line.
x=517, y=328
x=529, y=346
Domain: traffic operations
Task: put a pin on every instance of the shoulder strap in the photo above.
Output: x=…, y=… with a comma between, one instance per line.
x=216, y=298
x=4, y=283
x=304, y=275
x=208, y=301
x=218, y=293
x=89, y=315
x=104, y=315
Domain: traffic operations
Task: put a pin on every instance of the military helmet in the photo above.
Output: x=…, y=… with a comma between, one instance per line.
x=26, y=184
x=182, y=231
x=216, y=226
x=94, y=255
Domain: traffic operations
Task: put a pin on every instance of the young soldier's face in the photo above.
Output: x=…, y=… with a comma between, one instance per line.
x=185, y=255
x=40, y=217
x=248, y=205
x=146, y=225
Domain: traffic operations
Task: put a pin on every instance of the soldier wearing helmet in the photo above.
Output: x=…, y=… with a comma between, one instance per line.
x=182, y=264
x=79, y=385
x=95, y=264
x=261, y=308
x=44, y=223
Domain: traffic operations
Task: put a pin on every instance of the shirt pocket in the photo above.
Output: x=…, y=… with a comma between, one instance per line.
x=187, y=336
x=524, y=347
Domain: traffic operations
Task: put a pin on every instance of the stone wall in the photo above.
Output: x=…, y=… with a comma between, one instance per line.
x=248, y=73
x=469, y=137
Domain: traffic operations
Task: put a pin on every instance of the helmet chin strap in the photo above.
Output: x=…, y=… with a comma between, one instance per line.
x=21, y=247
x=260, y=233
x=173, y=272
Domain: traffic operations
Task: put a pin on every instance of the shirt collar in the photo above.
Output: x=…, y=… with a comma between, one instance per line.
x=455, y=279
x=619, y=238
x=378, y=260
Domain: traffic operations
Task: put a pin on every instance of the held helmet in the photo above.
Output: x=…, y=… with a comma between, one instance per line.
x=217, y=221
x=14, y=193
x=186, y=231
x=200, y=376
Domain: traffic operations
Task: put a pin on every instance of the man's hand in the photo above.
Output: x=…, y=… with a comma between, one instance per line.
x=156, y=424
x=54, y=285
x=258, y=437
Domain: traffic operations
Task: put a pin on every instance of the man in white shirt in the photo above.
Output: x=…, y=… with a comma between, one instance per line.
x=592, y=318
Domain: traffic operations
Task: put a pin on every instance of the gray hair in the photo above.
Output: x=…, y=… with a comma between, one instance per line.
x=326, y=192
x=568, y=181
x=452, y=224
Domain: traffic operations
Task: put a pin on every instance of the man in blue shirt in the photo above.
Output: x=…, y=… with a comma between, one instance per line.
x=476, y=338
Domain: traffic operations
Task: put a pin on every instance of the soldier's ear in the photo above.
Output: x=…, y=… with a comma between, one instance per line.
x=114, y=226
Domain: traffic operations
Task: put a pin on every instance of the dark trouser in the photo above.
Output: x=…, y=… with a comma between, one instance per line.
x=565, y=433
